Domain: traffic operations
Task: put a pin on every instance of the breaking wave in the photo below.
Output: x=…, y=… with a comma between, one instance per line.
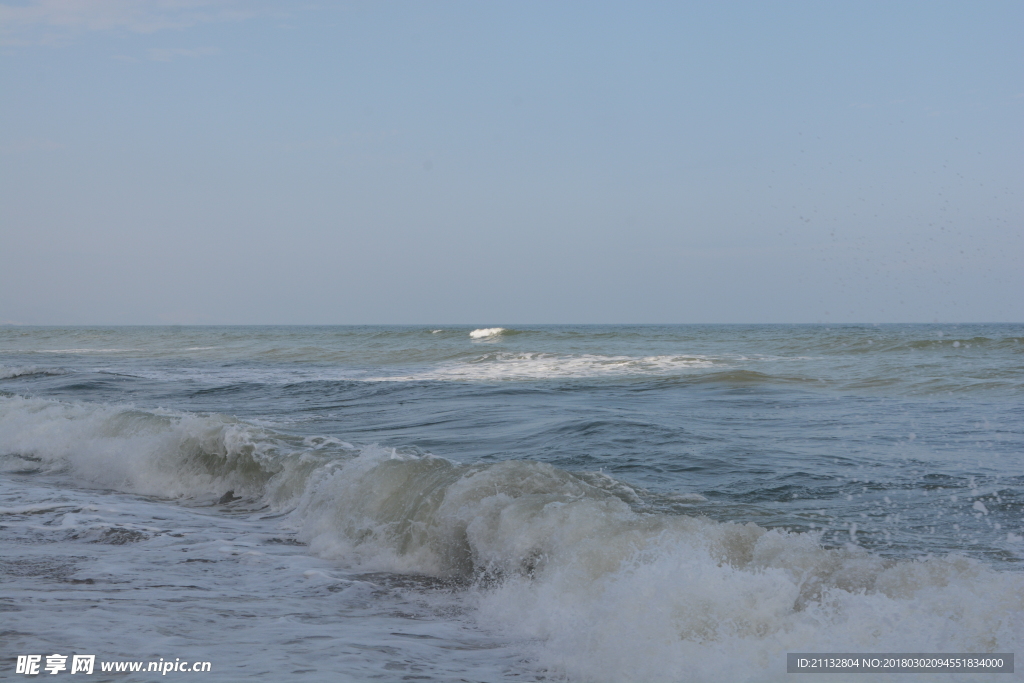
x=509, y=366
x=566, y=563
x=486, y=332
x=29, y=370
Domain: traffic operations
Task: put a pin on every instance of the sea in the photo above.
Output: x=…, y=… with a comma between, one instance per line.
x=500, y=502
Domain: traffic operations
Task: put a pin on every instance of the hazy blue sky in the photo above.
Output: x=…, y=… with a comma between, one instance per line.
x=207, y=161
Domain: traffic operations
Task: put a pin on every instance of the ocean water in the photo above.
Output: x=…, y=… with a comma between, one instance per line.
x=528, y=503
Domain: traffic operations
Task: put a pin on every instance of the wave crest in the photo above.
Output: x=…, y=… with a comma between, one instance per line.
x=485, y=332
x=161, y=453
x=8, y=372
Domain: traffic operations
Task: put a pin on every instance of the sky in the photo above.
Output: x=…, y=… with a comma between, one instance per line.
x=228, y=162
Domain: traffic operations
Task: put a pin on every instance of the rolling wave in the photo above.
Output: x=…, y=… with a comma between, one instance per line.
x=30, y=370
x=565, y=561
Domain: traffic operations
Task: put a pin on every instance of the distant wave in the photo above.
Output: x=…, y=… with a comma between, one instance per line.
x=857, y=342
x=529, y=366
x=561, y=560
x=486, y=332
x=79, y=351
x=29, y=370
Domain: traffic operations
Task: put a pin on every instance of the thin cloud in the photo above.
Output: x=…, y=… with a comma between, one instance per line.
x=57, y=21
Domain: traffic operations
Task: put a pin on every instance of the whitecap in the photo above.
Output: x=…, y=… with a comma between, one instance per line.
x=485, y=332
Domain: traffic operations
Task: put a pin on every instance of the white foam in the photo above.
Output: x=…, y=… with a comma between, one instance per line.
x=712, y=603
x=603, y=593
x=508, y=366
x=485, y=332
